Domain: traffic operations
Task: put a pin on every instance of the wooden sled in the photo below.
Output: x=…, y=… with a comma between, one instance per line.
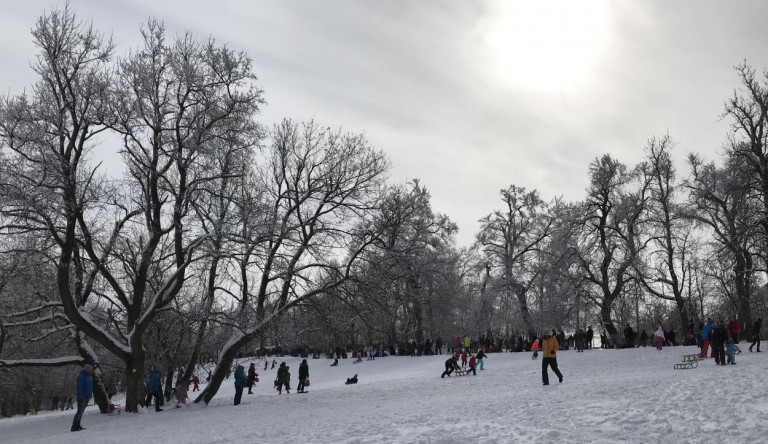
x=689, y=361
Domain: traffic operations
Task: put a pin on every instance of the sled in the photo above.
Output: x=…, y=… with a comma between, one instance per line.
x=689, y=361
x=460, y=372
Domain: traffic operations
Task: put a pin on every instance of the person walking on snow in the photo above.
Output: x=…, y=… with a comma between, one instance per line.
x=756, y=334
x=283, y=379
x=464, y=358
x=196, y=382
x=535, y=348
x=303, y=375
x=451, y=364
x=84, y=394
x=472, y=363
x=481, y=359
x=658, y=336
x=251, y=376
x=550, y=346
x=239, y=383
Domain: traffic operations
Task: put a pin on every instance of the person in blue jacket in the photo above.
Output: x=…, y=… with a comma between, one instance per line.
x=154, y=389
x=84, y=394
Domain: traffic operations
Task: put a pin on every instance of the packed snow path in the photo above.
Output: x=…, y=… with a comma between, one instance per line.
x=607, y=396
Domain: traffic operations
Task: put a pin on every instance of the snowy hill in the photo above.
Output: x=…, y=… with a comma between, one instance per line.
x=608, y=396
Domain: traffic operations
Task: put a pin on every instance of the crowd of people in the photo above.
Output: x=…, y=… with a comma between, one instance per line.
x=720, y=339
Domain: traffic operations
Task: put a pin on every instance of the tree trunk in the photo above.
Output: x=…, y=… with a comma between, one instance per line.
x=134, y=380
x=605, y=318
x=223, y=366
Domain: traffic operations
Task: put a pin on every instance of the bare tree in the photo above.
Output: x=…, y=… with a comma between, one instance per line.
x=511, y=238
x=321, y=186
x=612, y=216
x=720, y=200
x=670, y=233
x=169, y=103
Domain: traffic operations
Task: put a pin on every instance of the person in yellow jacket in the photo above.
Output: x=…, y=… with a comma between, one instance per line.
x=466, y=342
x=549, y=346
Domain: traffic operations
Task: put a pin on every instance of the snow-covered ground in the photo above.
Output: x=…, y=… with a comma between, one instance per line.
x=608, y=396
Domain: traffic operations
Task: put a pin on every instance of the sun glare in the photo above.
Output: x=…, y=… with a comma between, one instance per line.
x=545, y=44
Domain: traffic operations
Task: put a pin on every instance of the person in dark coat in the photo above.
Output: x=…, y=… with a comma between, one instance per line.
x=251, y=376
x=451, y=364
x=154, y=389
x=84, y=394
x=590, y=336
x=303, y=375
x=719, y=335
x=643, y=339
x=240, y=383
x=283, y=379
x=756, y=334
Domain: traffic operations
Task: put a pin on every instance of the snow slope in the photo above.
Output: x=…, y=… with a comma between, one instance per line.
x=608, y=396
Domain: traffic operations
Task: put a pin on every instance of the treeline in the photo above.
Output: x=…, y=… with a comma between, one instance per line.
x=215, y=235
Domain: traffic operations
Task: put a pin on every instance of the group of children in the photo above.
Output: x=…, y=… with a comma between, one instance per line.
x=469, y=362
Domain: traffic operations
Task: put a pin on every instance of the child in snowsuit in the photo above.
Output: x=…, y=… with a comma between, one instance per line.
x=464, y=358
x=730, y=349
x=480, y=356
x=535, y=348
x=472, y=363
x=658, y=336
x=181, y=393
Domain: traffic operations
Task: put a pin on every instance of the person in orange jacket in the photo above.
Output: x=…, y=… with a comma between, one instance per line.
x=549, y=346
x=535, y=348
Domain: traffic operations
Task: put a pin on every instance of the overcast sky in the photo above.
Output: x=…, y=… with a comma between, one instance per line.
x=467, y=96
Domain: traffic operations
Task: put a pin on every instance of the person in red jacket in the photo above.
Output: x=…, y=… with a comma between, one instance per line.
x=464, y=358
x=472, y=363
x=734, y=327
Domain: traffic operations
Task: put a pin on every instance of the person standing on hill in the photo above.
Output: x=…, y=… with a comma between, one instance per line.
x=643, y=339
x=734, y=328
x=154, y=389
x=303, y=375
x=250, y=378
x=706, y=331
x=466, y=342
x=84, y=394
x=239, y=383
x=283, y=379
x=658, y=337
x=590, y=336
x=549, y=348
x=719, y=335
x=481, y=359
x=756, y=334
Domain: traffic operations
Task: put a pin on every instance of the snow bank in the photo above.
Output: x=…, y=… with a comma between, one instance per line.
x=607, y=396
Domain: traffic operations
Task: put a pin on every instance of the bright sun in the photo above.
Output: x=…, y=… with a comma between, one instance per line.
x=545, y=44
